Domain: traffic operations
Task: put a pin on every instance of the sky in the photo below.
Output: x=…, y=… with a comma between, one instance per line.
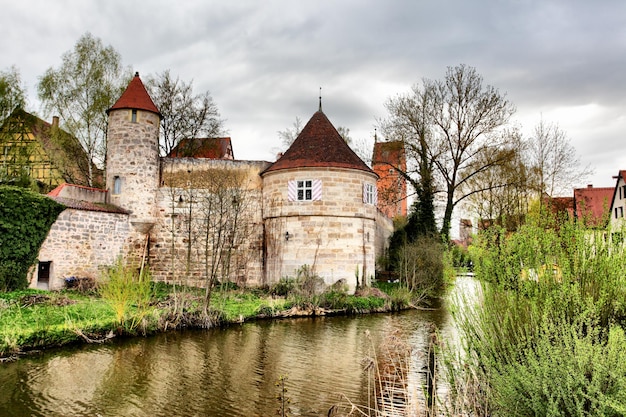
x=563, y=61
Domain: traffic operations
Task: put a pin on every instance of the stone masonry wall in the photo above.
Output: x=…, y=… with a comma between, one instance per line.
x=133, y=156
x=335, y=235
x=181, y=251
x=81, y=242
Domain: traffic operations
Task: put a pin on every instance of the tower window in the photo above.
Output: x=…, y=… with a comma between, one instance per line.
x=370, y=194
x=117, y=185
x=133, y=117
x=305, y=190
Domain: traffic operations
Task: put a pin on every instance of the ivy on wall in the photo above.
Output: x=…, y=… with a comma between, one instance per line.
x=25, y=220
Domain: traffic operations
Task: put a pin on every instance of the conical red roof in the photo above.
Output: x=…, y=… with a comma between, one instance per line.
x=135, y=97
x=319, y=145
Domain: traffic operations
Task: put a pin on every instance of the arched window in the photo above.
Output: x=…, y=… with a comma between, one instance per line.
x=117, y=185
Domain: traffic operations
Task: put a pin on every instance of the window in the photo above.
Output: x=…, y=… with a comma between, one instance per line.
x=305, y=190
x=370, y=194
x=133, y=117
x=117, y=185
x=623, y=193
x=619, y=212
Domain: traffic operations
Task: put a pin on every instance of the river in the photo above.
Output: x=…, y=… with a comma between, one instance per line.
x=234, y=371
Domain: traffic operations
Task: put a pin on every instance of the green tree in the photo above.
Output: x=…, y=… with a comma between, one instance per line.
x=12, y=92
x=89, y=81
x=185, y=115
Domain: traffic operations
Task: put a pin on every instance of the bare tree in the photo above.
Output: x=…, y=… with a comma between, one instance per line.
x=459, y=117
x=290, y=134
x=185, y=115
x=504, y=190
x=554, y=165
x=410, y=121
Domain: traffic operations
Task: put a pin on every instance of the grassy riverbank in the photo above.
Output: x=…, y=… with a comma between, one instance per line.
x=33, y=319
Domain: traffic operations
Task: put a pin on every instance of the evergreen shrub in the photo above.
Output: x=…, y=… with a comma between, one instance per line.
x=25, y=220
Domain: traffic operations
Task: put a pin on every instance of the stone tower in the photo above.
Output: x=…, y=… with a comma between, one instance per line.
x=319, y=209
x=132, y=159
x=388, y=160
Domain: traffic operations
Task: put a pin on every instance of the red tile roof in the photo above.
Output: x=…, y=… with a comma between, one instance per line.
x=388, y=152
x=135, y=97
x=319, y=145
x=59, y=189
x=89, y=206
x=211, y=148
x=593, y=205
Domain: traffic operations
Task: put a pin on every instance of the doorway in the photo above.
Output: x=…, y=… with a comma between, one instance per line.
x=43, y=275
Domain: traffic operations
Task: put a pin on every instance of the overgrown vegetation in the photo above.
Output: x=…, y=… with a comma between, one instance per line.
x=547, y=335
x=127, y=303
x=25, y=219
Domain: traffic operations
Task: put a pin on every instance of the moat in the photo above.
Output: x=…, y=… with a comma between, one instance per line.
x=221, y=372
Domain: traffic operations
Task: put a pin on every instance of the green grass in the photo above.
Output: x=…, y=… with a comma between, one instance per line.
x=32, y=319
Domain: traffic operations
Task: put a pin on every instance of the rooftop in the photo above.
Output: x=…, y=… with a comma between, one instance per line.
x=319, y=145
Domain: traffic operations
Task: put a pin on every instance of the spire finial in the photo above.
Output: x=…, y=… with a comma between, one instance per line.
x=375, y=135
x=320, y=109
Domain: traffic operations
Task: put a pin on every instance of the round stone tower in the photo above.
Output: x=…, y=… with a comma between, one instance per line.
x=132, y=159
x=319, y=209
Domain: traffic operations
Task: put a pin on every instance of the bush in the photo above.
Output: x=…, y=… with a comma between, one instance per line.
x=551, y=347
x=420, y=266
x=25, y=220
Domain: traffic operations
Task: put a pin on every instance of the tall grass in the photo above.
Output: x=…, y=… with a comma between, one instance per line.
x=547, y=337
x=129, y=292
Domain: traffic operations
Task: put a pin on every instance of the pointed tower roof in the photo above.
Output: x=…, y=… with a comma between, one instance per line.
x=319, y=145
x=135, y=97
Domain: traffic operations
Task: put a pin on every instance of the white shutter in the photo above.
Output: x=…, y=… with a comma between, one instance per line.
x=316, y=193
x=292, y=190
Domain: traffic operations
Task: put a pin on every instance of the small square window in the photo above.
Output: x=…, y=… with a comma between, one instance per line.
x=305, y=190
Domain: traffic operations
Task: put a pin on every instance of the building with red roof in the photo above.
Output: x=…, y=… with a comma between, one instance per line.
x=210, y=148
x=592, y=205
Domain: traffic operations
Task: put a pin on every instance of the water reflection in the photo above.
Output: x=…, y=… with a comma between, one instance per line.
x=221, y=372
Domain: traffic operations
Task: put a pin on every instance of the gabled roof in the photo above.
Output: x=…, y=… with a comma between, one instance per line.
x=61, y=149
x=319, y=145
x=593, y=205
x=135, y=97
x=211, y=148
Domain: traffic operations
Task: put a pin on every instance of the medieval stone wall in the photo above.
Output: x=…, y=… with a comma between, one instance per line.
x=81, y=242
x=194, y=193
x=334, y=235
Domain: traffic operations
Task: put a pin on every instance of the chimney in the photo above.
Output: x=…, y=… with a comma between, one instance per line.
x=589, y=185
x=55, y=121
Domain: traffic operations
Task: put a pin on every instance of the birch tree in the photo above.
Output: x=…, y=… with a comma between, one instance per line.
x=89, y=81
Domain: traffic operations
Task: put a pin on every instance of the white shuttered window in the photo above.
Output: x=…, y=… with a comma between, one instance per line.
x=304, y=190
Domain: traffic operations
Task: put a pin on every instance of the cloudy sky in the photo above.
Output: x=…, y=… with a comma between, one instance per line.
x=264, y=61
